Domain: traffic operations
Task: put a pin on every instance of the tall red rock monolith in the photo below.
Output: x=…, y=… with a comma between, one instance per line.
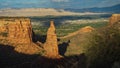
x=51, y=45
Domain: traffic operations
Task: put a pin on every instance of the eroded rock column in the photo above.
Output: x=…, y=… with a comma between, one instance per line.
x=51, y=45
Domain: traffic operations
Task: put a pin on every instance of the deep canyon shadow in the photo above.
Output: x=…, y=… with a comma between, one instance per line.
x=63, y=47
x=40, y=38
x=9, y=58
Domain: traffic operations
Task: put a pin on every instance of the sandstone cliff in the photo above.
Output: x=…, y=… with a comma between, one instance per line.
x=51, y=45
x=18, y=33
x=18, y=30
x=114, y=18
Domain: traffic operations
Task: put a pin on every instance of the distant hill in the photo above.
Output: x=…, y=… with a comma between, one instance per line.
x=85, y=29
x=112, y=9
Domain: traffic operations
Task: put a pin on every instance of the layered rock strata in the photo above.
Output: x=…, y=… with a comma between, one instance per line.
x=16, y=30
x=18, y=33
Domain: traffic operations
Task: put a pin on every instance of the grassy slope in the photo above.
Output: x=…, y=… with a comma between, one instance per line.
x=78, y=41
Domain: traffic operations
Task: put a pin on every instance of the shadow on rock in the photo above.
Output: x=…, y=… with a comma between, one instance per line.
x=63, y=47
x=9, y=58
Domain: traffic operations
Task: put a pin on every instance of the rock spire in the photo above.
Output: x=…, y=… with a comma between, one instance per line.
x=51, y=45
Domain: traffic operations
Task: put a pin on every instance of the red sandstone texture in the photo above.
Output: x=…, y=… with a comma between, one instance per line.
x=51, y=45
x=18, y=30
x=18, y=33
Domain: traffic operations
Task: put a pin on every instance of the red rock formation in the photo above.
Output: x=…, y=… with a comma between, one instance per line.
x=18, y=32
x=114, y=18
x=51, y=46
x=27, y=48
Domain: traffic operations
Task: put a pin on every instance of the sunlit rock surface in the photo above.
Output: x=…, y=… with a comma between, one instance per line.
x=51, y=45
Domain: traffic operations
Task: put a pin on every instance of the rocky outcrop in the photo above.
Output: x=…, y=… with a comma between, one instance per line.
x=18, y=30
x=18, y=33
x=27, y=48
x=114, y=18
x=51, y=45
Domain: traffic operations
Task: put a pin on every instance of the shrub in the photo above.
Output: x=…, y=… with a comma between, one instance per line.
x=103, y=48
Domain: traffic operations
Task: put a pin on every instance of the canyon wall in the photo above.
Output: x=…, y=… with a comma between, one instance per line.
x=17, y=30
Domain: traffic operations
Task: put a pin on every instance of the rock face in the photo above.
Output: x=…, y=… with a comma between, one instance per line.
x=51, y=46
x=114, y=18
x=27, y=48
x=17, y=30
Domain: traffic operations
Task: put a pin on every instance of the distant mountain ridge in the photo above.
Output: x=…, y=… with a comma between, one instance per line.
x=112, y=9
